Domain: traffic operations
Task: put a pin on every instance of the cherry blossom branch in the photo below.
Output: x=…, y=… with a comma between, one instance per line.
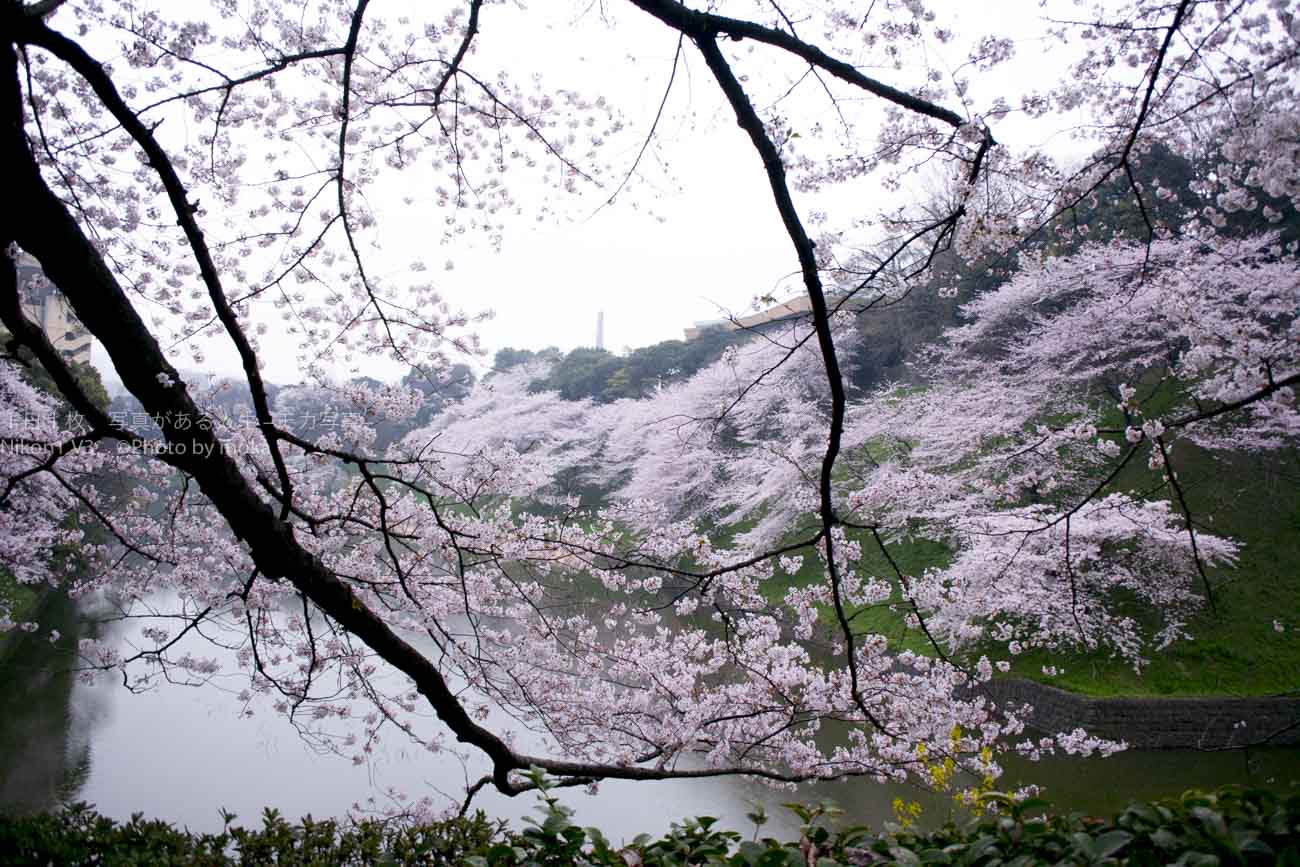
x=654, y=126
x=453, y=67
x=73, y=263
x=1084, y=500
x=1074, y=588
x=53, y=451
x=340, y=170
x=229, y=84
x=93, y=73
x=707, y=26
x=157, y=653
x=1125, y=152
x=1272, y=388
x=775, y=170
x=1172, y=477
x=27, y=333
x=911, y=600
x=45, y=142
x=1232, y=406
x=41, y=8
x=107, y=522
x=1153, y=76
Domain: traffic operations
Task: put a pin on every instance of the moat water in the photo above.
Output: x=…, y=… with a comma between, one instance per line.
x=183, y=754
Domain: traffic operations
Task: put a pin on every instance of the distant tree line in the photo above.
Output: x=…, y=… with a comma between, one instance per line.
x=602, y=376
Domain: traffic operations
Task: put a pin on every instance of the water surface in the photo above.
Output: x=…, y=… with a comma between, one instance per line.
x=182, y=754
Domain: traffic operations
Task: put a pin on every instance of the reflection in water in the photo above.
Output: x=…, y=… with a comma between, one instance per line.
x=182, y=754
x=1107, y=785
x=45, y=736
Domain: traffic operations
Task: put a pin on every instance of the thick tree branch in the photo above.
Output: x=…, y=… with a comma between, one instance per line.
x=750, y=122
x=93, y=73
x=707, y=27
x=71, y=261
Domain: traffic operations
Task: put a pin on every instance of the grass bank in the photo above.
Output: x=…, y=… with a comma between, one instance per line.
x=1238, y=649
x=1235, y=649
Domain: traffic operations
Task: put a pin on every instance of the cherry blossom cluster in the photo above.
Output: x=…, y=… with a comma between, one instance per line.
x=235, y=170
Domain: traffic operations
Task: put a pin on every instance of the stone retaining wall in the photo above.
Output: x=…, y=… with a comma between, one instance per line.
x=1158, y=723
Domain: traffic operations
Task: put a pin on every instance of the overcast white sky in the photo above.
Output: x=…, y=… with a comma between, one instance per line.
x=695, y=235
x=683, y=242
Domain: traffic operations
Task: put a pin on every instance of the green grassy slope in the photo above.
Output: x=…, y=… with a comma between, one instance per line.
x=1253, y=499
x=1256, y=501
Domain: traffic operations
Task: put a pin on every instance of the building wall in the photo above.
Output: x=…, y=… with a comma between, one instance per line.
x=46, y=306
x=796, y=306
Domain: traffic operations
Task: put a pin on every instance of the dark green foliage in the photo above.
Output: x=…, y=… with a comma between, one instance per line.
x=584, y=372
x=604, y=377
x=509, y=357
x=1240, y=827
x=79, y=835
x=453, y=386
x=86, y=376
x=1113, y=210
x=645, y=369
x=1228, y=827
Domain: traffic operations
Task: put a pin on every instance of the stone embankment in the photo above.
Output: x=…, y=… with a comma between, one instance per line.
x=1159, y=723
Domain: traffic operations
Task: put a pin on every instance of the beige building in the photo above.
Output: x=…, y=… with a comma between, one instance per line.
x=46, y=306
x=796, y=306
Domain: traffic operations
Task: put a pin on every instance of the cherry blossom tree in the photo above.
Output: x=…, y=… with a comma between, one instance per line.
x=181, y=173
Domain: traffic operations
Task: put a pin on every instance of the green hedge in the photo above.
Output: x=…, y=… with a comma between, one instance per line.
x=78, y=835
x=1228, y=827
